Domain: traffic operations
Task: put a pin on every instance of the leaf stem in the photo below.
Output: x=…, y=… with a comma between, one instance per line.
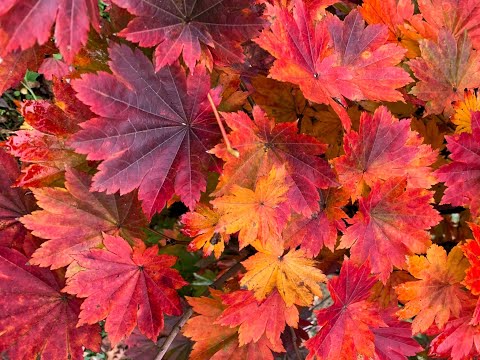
x=231, y=150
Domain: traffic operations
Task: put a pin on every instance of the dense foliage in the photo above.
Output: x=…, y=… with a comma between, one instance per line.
x=230, y=179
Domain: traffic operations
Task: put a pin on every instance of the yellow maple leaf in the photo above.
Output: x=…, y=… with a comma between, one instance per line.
x=295, y=277
x=438, y=294
x=463, y=112
x=257, y=215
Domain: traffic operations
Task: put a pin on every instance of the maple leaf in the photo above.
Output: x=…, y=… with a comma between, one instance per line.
x=394, y=14
x=394, y=342
x=384, y=147
x=295, y=277
x=447, y=67
x=14, y=65
x=257, y=318
x=53, y=68
x=463, y=112
x=264, y=144
x=207, y=28
x=22, y=29
x=153, y=131
x=312, y=233
x=392, y=222
x=458, y=16
x=202, y=224
x=346, y=325
x=74, y=220
x=36, y=318
x=257, y=215
x=438, y=293
x=14, y=203
x=471, y=250
x=217, y=342
x=44, y=144
x=459, y=340
x=126, y=286
x=360, y=66
x=461, y=175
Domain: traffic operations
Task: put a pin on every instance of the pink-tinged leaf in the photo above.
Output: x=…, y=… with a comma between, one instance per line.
x=14, y=65
x=462, y=175
x=153, y=131
x=129, y=287
x=194, y=29
x=35, y=317
x=458, y=16
x=257, y=318
x=460, y=340
x=52, y=67
x=42, y=146
x=392, y=222
x=446, y=68
x=394, y=342
x=361, y=65
x=74, y=220
x=346, y=326
x=382, y=148
x=14, y=203
x=263, y=144
x=21, y=28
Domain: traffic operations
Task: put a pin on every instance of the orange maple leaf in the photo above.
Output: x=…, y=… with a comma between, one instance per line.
x=438, y=294
x=259, y=214
x=202, y=224
x=294, y=276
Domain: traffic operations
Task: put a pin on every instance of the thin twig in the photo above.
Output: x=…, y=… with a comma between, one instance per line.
x=244, y=88
x=173, y=334
x=294, y=341
x=188, y=313
x=231, y=150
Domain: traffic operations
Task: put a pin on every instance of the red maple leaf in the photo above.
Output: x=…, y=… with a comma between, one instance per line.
x=462, y=176
x=14, y=203
x=43, y=146
x=446, y=68
x=74, y=220
x=195, y=29
x=394, y=342
x=36, y=318
x=346, y=326
x=391, y=223
x=257, y=318
x=382, y=148
x=360, y=66
x=152, y=132
x=126, y=286
x=263, y=144
x=471, y=249
x=21, y=28
x=320, y=229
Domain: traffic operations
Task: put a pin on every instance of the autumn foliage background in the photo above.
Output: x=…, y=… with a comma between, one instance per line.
x=225, y=179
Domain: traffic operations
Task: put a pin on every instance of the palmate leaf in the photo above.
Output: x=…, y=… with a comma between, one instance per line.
x=193, y=28
x=152, y=132
x=19, y=22
x=129, y=287
x=263, y=144
x=43, y=145
x=36, y=318
x=437, y=295
x=74, y=220
x=360, y=66
x=391, y=223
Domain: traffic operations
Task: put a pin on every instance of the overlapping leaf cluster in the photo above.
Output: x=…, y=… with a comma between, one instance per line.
x=329, y=211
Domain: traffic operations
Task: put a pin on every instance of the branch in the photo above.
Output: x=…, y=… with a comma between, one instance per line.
x=294, y=341
x=188, y=313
